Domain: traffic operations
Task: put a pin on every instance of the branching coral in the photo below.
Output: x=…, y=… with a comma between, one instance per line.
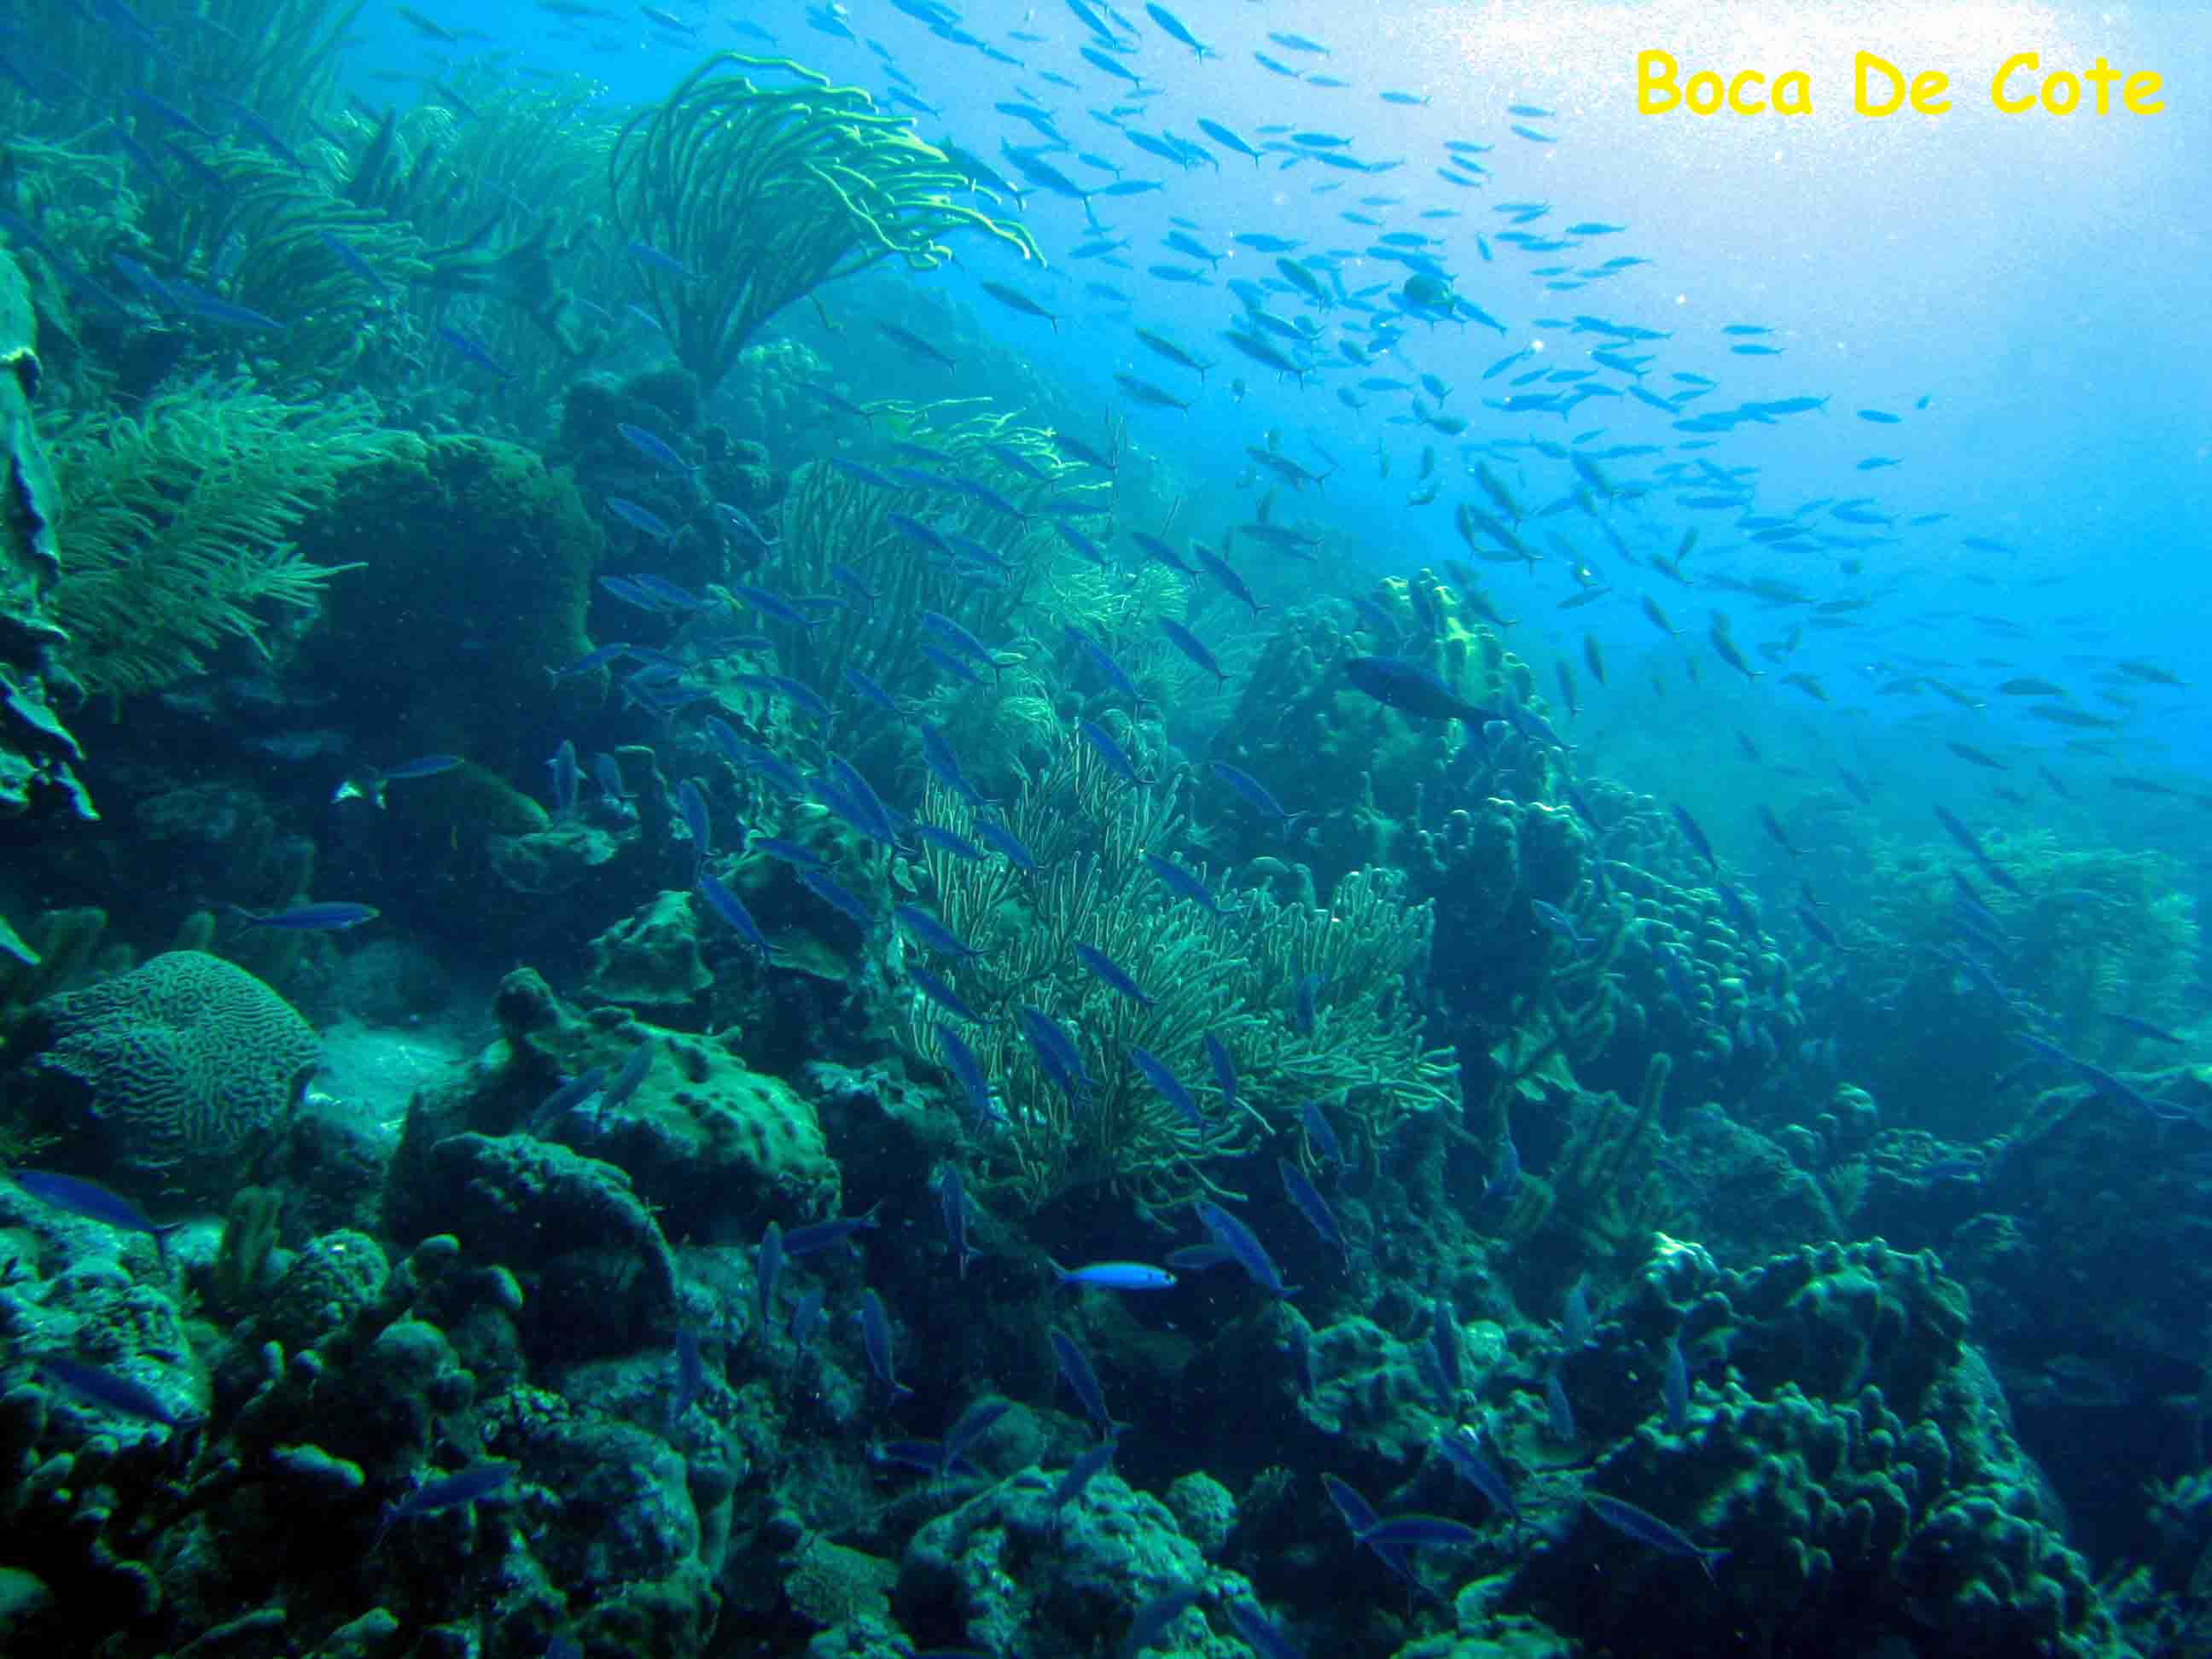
x=281, y=58
x=1605, y=1195
x=837, y=530
x=173, y=527
x=739, y=198
x=323, y=266
x=1306, y=1001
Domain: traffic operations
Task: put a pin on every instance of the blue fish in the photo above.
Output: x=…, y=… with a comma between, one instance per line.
x=655, y=448
x=960, y=639
x=1463, y=1451
x=1558, y=1413
x=950, y=664
x=823, y=1234
x=1674, y=1386
x=1696, y=835
x=1415, y=1531
x=1176, y=30
x=113, y=1391
x=566, y=779
x=1262, y=1633
x=767, y=1270
x=1075, y=1371
x=876, y=1340
x=311, y=918
x=570, y=1095
x=1114, y=977
x=1224, y=1070
x=422, y=766
x=639, y=518
x=472, y=350
x=590, y=661
x=1113, y=1276
x=214, y=309
x=952, y=1201
x=945, y=840
x=795, y=692
x=645, y=253
x=1241, y=1241
x=937, y=753
x=691, y=808
x=1576, y=1323
x=691, y=1377
x=1158, y=1074
x=1183, y=885
x=1360, y=1517
x=1320, y=1136
x=805, y=1320
x=1194, y=647
x=874, y=692
x=1085, y=1469
x=961, y=1061
x=1056, y=1053
x=1410, y=688
x=479, y=1480
x=1650, y=1530
x=633, y=592
x=972, y=1425
x=1116, y=758
x=731, y=910
x=771, y=604
x=1312, y=1206
x=817, y=880
x=351, y=259
x=1003, y=840
x=1256, y=792
x=1103, y=659
x=932, y=932
x=627, y=1081
x=95, y=1202
x=941, y=993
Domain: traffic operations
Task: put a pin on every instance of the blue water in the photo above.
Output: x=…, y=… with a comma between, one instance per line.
x=2037, y=280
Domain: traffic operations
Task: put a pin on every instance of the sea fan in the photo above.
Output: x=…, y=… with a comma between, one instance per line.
x=173, y=525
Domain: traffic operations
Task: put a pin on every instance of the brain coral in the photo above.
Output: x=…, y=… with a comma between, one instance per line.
x=178, y=1067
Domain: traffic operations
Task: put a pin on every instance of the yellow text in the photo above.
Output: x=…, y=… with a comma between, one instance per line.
x=1706, y=93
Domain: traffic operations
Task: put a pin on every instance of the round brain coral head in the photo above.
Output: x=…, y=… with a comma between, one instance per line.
x=181, y=1067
